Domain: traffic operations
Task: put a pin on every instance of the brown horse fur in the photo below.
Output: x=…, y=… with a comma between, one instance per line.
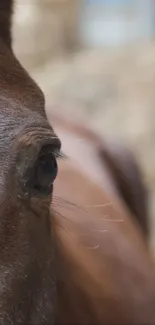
x=27, y=268
x=105, y=274
x=90, y=250
x=104, y=268
x=117, y=161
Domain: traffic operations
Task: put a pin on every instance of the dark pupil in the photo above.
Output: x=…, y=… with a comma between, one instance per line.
x=45, y=173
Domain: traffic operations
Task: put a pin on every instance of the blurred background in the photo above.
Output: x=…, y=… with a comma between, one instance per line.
x=95, y=59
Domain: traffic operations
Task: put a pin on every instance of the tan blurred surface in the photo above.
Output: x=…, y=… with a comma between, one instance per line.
x=112, y=89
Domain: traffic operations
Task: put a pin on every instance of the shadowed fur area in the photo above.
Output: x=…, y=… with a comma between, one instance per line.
x=71, y=251
x=6, y=9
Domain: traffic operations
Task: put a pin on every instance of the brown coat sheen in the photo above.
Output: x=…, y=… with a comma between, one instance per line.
x=105, y=272
x=111, y=164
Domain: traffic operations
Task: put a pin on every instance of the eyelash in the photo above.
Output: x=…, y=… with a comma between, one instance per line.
x=59, y=154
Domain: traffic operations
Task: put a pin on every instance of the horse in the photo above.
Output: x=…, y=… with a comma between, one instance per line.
x=72, y=249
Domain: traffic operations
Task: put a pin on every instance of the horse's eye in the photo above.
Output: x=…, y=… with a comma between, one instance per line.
x=45, y=173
